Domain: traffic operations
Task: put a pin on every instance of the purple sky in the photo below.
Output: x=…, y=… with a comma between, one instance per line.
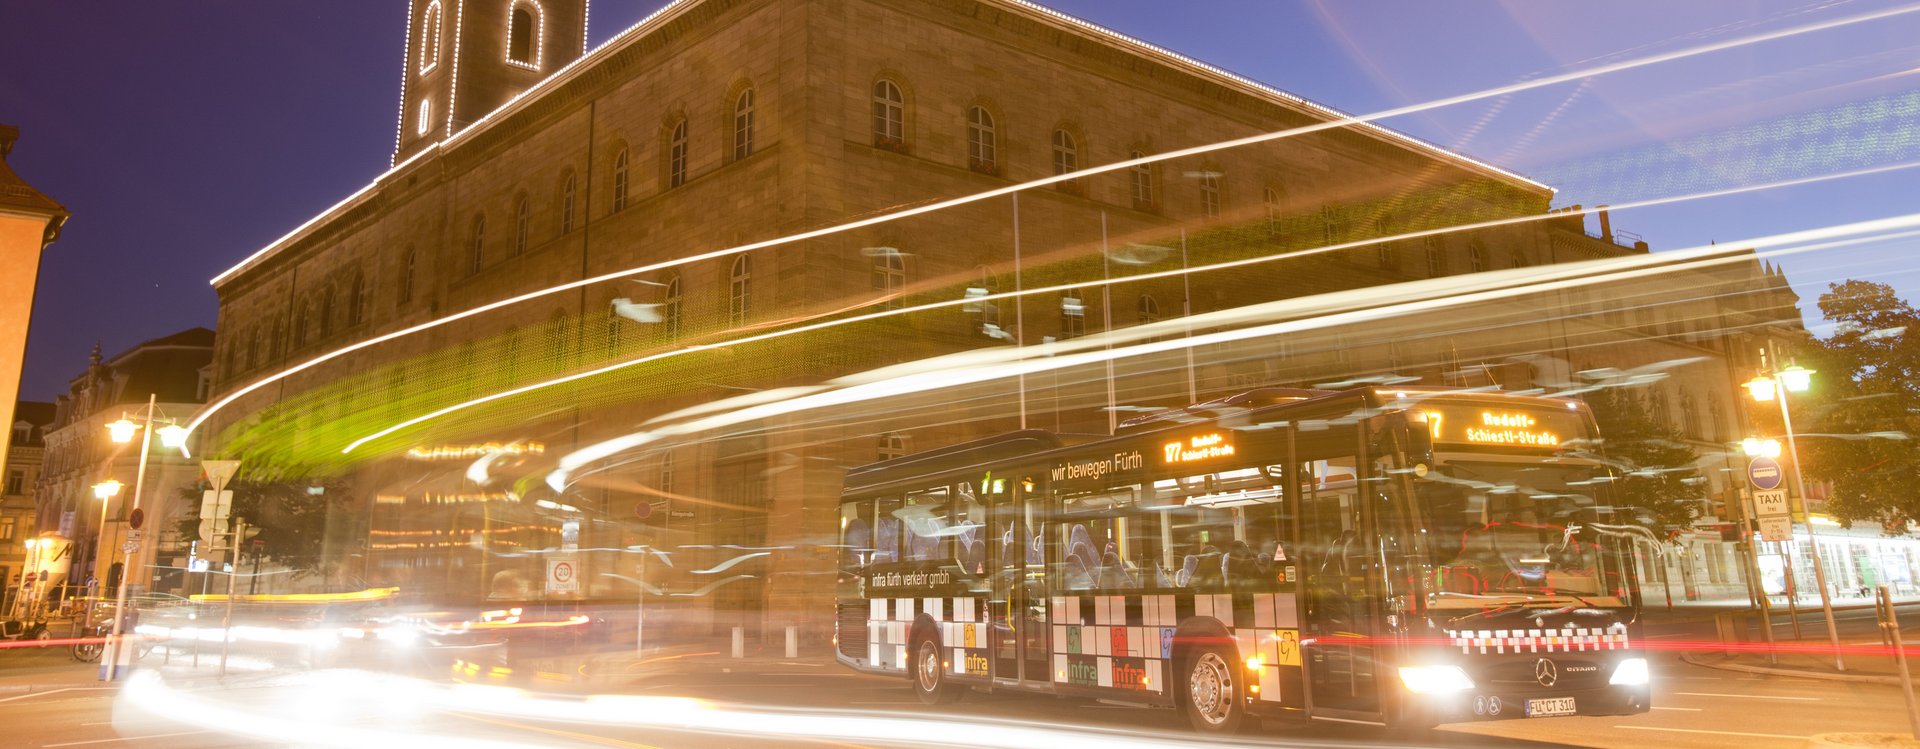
x=186, y=135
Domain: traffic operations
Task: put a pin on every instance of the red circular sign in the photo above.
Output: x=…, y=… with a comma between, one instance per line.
x=563, y=572
x=136, y=518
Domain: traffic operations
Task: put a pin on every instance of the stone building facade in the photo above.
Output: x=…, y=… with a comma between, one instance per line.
x=717, y=123
x=79, y=454
x=30, y=421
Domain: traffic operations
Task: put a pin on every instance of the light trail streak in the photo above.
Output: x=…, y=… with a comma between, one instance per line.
x=796, y=391
x=974, y=367
x=1338, y=122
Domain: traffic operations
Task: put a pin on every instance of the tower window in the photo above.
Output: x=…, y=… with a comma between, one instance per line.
x=430, y=38
x=1149, y=309
x=889, y=115
x=743, y=125
x=1271, y=199
x=426, y=117
x=677, y=155
x=569, y=193
x=739, y=301
x=356, y=302
x=983, y=144
x=522, y=28
x=1066, y=159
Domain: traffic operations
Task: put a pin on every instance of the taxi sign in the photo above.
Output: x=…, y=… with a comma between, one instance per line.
x=1764, y=473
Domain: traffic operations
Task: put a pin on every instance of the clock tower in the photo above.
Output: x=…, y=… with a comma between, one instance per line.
x=465, y=58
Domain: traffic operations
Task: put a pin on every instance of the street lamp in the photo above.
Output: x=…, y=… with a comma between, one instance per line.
x=122, y=431
x=1773, y=386
x=1755, y=447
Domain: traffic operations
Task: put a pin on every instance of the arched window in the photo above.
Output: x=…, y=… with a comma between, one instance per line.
x=357, y=300
x=1476, y=256
x=300, y=315
x=1149, y=309
x=740, y=296
x=275, y=338
x=253, y=349
x=1073, y=314
x=477, y=245
x=1066, y=155
x=408, y=265
x=743, y=125
x=889, y=115
x=569, y=200
x=983, y=144
x=523, y=34
x=425, y=119
x=430, y=38
x=620, y=180
x=890, y=276
x=1435, y=266
x=326, y=313
x=677, y=155
x=522, y=217
x=1210, y=193
x=1270, y=199
x=670, y=309
x=895, y=445
x=1142, y=175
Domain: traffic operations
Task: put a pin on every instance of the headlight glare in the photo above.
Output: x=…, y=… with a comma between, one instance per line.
x=1435, y=679
x=1631, y=672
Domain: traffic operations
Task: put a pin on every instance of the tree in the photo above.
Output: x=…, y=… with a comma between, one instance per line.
x=1864, y=404
x=1658, y=469
x=292, y=518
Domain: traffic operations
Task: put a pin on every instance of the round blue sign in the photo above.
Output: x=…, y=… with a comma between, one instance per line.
x=1764, y=473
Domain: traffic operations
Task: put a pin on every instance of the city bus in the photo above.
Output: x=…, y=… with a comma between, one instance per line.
x=1392, y=556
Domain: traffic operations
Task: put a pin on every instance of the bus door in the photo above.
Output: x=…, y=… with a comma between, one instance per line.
x=1339, y=580
x=1019, y=599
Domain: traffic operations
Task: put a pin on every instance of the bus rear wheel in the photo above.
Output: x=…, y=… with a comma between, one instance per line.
x=929, y=678
x=1210, y=691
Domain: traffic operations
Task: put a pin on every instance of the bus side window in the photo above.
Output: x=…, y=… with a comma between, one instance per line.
x=925, y=520
x=968, y=524
x=886, y=546
x=856, y=536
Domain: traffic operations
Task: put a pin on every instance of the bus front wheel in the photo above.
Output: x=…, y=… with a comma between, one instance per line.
x=929, y=678
x=1210, y=691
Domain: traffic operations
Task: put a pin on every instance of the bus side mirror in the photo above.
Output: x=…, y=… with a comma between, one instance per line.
x=1419, y=438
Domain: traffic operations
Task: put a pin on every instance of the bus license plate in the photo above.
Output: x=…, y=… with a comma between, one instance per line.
x=1550, y=707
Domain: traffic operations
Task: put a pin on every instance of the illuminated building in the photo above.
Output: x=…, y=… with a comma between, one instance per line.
x=29, y=222
x=720, y=122
x=22, y=471
x=80, y=454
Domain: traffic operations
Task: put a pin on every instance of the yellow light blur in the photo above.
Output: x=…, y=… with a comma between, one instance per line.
x=1823, y=520
x=1755, y=447
x=106, y=489
x=122, y=431
x=1761, y=388
x=173, y=435
x=370, y=594
x=1796, y=378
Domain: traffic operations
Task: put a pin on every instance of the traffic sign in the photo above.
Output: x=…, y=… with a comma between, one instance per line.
x=136, y=518
x=1770, y=503
x=643, y=509
x=1764, y=473
x=561, y=577
x=1778, y=528
x=130, y=547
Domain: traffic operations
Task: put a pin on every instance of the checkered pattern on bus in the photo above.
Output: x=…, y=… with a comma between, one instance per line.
x=1122, y=642
x=1568, y=639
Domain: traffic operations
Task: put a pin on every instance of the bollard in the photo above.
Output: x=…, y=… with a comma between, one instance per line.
x=739, y=642
x=793, y=641
x=1890, y=624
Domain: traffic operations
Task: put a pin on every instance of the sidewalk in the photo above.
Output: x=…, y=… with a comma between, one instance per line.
x=1868, y=661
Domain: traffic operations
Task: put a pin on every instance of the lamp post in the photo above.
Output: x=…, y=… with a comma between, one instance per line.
x=122, y=431
x=1774, y=386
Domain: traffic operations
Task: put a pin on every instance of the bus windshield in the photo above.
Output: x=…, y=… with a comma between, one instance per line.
x=1523, y=533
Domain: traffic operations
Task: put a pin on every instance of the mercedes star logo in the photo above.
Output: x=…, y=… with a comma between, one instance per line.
x=1545, y=672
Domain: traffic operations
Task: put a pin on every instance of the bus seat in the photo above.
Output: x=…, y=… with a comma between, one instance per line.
x=1113, y=573
x=1184, y=577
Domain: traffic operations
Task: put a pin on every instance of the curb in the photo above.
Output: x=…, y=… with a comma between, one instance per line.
x=1696, y=660
x=1847, y=740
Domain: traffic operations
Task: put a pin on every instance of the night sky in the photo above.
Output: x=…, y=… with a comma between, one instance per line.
x=185, y=135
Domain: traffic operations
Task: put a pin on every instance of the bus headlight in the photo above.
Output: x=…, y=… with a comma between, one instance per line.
x=1435, y=679
x=1631, y=672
